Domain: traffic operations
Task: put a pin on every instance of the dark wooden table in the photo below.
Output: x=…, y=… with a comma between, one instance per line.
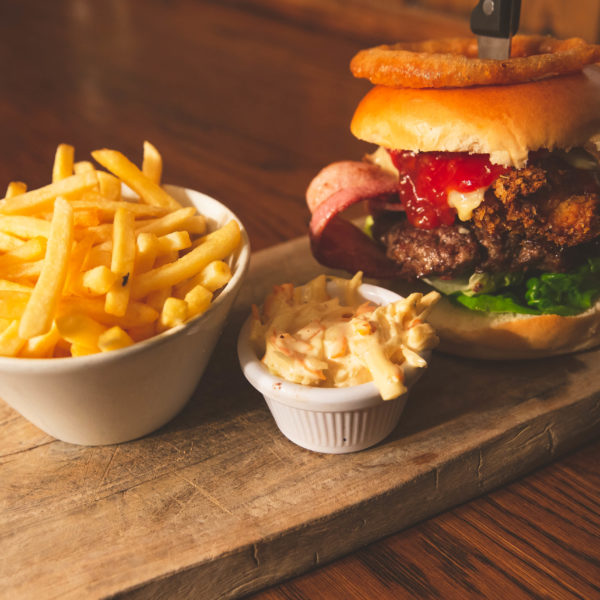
x=247, y=104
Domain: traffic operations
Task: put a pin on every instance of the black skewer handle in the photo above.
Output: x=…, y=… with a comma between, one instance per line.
x=496, y=18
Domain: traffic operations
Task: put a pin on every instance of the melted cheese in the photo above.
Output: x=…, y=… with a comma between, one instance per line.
x=465, y=202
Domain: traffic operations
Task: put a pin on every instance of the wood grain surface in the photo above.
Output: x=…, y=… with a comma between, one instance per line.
x=247, y=105
x=536, y=538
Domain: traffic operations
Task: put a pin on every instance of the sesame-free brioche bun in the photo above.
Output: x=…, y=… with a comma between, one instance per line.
x=468, y=333
x=504, y=121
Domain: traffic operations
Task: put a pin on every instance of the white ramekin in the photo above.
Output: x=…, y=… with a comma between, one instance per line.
x=328, y=420
x=124, y=394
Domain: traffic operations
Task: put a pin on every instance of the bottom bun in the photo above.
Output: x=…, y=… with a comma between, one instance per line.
x=512, y=336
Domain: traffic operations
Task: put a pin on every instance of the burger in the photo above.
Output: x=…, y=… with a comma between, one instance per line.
x=489, y=194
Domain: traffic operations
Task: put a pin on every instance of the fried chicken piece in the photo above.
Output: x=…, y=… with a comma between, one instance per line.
x=541, y=205
x=575, y=220
x=519, y=183
x=507, y=208
x=531, y=216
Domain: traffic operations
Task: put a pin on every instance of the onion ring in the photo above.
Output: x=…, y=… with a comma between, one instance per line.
x=453, y=62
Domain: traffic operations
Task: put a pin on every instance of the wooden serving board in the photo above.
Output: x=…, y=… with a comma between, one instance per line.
x=218, y=503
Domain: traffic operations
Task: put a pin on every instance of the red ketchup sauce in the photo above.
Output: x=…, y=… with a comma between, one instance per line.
x=427, y=177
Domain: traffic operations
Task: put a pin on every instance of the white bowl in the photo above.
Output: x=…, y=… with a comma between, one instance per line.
x=124, y=394
x=328, y=420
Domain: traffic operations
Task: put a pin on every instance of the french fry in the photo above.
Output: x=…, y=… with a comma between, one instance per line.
x=80, y=329
x=198, y=300
x=159, y=226
x=101, y=233
x=79, y=350
x=122, y=263
x=217, y=245
x=83, y=166
x=152, y=163
x=24, y=227
x=109, y=207
x=43, y=301
x=63, y=162
x=96, y=281
x=173, y=242
x=156, y=299
x=10, y=340
x=15, y=188
x=174, y=312
x=33, y=249
x=78, y=260
x=13, y=286
x=86, y=218
x=138, y=314
x=114, y=338
x=42, y=198
x=99, y=256
x=213, y=277
x=110, y=186
x=146, y=252
x=196, y=224
x=28, y=271
x=41, y=346
x=13, y=303
x=9, y=242
x=171, y=222
x=124, y=169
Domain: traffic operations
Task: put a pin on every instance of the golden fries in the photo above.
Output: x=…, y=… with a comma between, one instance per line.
x=80, y=330
x=216, y=246
x=120, y=166
x=174, y=312
x=43, y=198
x=198, y=300
x=63, y=162
x=10, y=340
x=40, y=310
x=152, y=163
x=110, y=186
x=87, y=268
x=41, y=346
x=15, y=188
x=24, y=227
x=13, y=303
x=123, y=258
x=113, y=339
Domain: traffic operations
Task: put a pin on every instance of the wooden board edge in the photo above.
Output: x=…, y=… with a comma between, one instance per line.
x=262, y=564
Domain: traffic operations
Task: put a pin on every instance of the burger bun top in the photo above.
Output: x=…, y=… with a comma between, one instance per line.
x=504, y=121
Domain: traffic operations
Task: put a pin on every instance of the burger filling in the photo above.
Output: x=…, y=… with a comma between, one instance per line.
x=528, y=236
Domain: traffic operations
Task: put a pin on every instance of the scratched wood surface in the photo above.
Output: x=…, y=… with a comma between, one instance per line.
x=246, y=103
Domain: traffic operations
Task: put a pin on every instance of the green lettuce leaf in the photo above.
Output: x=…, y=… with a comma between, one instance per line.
x=547, y=293
x=565, y=293
x=493, y=303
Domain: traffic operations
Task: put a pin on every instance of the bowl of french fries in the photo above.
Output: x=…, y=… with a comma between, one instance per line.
x=114, y=289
